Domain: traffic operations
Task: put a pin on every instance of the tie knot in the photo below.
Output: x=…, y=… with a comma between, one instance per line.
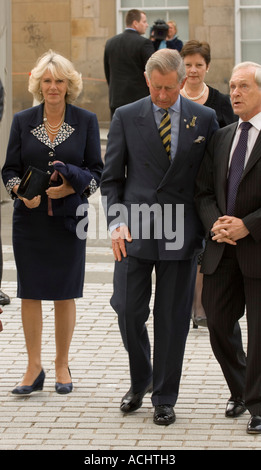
x=164, y=111
x=245, y=126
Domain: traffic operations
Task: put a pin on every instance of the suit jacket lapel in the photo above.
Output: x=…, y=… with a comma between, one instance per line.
x=39, y=132
x=188, y=132
x=149, y=133
x=254, y=156
x=224, y=151
x=146, y=126
x=37, y=116
x=224, y=147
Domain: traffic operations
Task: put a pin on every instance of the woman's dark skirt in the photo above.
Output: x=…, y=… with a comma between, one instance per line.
x=50, y=260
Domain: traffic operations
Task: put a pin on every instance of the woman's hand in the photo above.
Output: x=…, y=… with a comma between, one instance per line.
x=32, y=203
x=29, y=203
x=57, y=192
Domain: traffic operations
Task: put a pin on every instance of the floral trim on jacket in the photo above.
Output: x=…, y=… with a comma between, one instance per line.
x=41, y=134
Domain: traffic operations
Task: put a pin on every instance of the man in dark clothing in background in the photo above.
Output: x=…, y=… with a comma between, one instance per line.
x=125, y=58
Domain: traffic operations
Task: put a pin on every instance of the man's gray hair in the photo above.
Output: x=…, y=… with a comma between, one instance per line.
x=165, y=61
x=247, y=64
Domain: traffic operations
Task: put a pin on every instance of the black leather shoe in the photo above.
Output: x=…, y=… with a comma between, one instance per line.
x=4, y=299
x=164, y=415
x=133, y=401
x=254, y=425
x=27, y=389
x=235, y=407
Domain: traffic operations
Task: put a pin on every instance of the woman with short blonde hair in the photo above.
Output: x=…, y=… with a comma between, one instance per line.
x=60, y=141
x=59, y=66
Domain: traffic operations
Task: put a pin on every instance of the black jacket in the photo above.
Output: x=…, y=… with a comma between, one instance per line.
x=125, y=57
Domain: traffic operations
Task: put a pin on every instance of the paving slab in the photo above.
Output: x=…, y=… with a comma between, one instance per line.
x=89, y=419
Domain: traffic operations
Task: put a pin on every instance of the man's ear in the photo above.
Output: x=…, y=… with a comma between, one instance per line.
x=183, y=83
x=135, y=25
x=146, y=78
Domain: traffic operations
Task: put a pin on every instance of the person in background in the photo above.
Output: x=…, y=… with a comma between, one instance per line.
x=154, y=150
x=62, y=139
x=196, y=56
x=172, y=40
x=164, y=35
x=4, y=298
x=228, y=199
x=125, y=57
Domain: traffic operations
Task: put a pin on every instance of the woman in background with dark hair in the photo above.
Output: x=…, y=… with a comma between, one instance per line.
x=196, y=56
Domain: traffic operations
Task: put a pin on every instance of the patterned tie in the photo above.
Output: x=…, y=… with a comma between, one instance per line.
x=165, y=131
x=237, y=167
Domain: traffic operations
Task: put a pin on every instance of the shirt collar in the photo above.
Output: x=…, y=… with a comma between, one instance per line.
x=174, y=108
x=255, y=121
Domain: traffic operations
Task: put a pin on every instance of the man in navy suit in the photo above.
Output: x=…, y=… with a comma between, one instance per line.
x=151, y=213
x=125, y=57
x=231, y=262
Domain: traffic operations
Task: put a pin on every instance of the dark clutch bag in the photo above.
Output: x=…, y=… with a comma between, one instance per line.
x=33, y=183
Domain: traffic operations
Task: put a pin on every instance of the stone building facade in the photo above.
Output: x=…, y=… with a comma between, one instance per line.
x=79, y=29
x=76, y=29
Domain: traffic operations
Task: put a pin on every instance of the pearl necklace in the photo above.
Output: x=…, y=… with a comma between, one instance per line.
x=53, y=130
x=196, y=97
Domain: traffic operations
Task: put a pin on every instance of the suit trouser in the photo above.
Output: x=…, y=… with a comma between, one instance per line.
x=174, y=290
x=226, y=294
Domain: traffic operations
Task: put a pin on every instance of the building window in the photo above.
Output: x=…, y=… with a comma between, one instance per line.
x=247, y=30
x=167, y=10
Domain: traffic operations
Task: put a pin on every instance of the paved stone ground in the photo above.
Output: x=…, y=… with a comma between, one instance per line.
x=89, y=419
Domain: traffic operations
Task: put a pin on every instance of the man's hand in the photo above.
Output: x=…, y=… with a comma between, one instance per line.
x=118, y=236
x=229, y=229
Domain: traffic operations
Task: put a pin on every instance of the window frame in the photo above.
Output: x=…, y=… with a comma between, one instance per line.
x=121, y=10
x=238, y=39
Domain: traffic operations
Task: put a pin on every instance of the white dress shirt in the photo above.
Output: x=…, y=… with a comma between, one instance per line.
x=252, y=136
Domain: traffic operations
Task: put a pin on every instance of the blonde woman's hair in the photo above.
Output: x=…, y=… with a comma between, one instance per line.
x=60, y=68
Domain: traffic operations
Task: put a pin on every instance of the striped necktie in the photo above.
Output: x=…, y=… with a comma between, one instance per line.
x=237, y=167
x=165, y=131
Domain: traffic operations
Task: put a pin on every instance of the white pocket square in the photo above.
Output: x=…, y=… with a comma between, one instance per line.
x=199, y=139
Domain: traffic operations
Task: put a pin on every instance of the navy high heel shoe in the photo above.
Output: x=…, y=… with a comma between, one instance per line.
x=27, y=389
x=64, y=388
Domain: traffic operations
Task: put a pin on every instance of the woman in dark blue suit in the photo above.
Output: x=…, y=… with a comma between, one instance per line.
x=62, y=139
